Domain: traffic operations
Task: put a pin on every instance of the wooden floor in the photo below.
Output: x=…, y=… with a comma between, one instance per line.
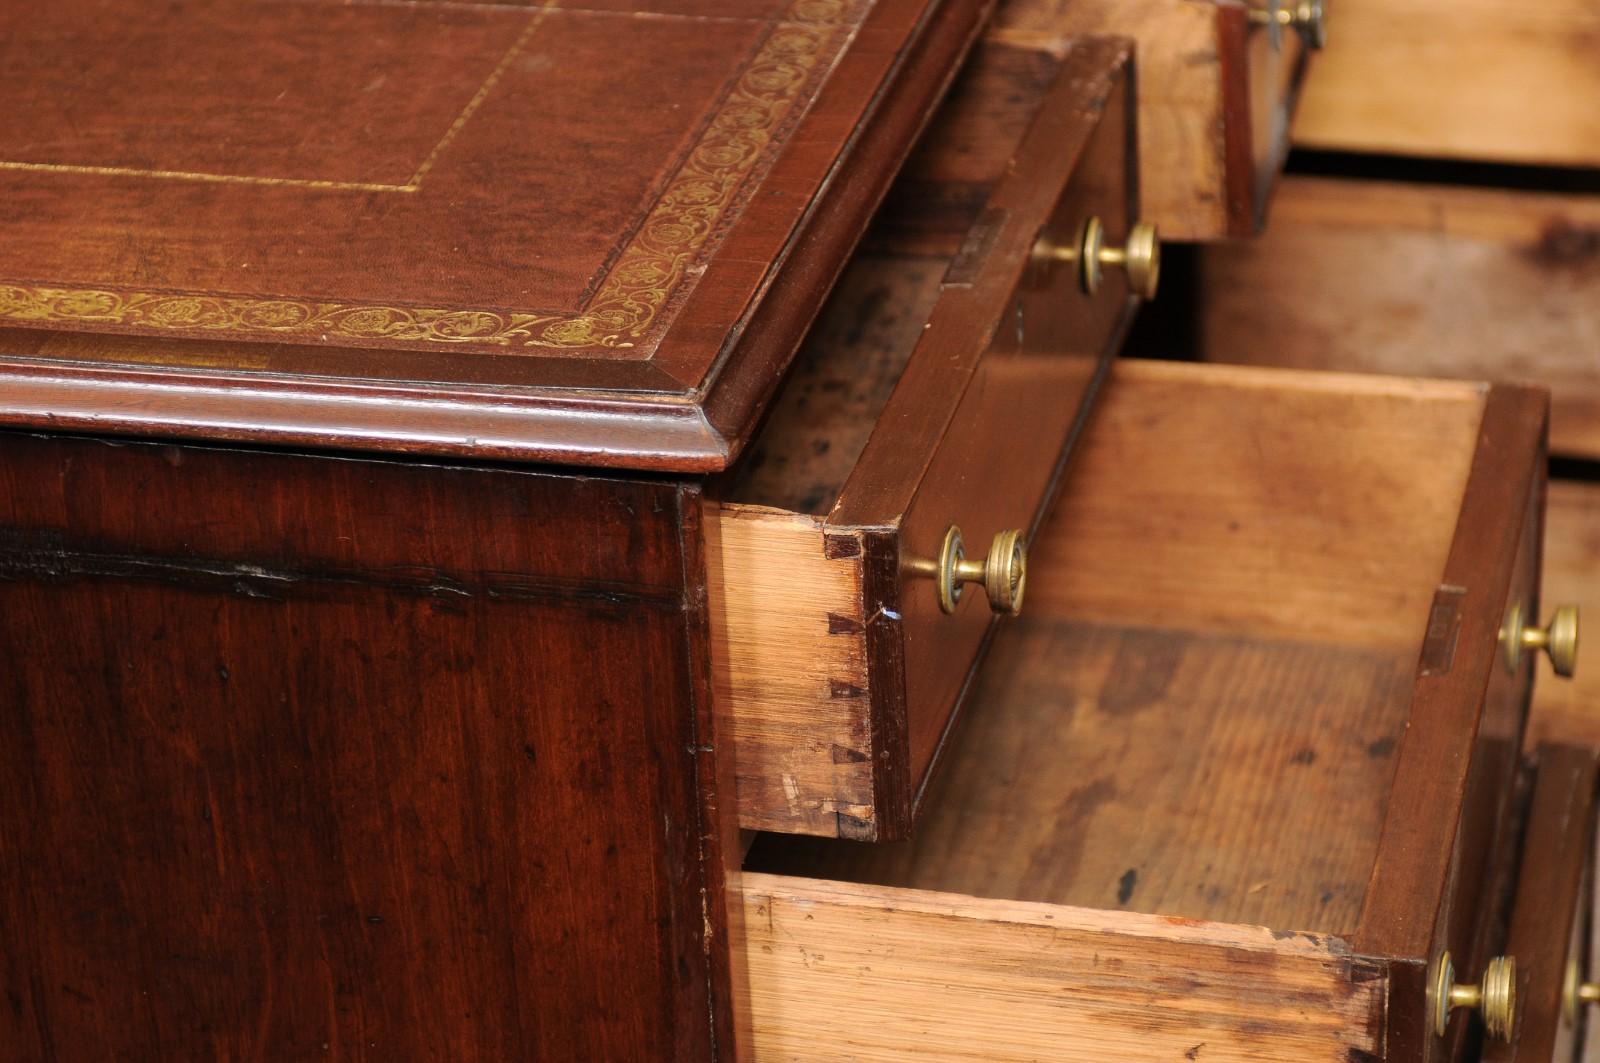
x=1237, y=779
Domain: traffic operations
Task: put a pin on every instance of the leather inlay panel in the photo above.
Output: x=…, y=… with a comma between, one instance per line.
x=387, y=175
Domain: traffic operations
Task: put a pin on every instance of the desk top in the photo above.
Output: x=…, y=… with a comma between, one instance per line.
x=588, y=232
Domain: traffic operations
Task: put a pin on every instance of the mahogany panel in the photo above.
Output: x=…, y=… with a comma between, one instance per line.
x=448, y=287
x=315, y=758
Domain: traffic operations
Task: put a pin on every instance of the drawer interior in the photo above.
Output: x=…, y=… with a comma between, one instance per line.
x=1199, y=713
x=838, y=386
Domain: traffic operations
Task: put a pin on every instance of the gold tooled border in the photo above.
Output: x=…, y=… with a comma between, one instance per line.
x=645, y=274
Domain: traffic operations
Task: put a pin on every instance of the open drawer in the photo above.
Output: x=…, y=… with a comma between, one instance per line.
x=1238, y=779
x=938, y=391
x=1219, y=81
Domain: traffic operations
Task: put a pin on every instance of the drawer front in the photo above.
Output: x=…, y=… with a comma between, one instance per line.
x=1550, y=918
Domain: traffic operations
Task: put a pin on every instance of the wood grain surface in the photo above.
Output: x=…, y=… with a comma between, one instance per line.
x=310, y=758
x=831, y=399
x=1170, y=772
x=880, y=974
x=791, y=669
x=1193, y=489
x=1416, y=280
x=1299, y=506
x=450, y=287
x=1498, y=80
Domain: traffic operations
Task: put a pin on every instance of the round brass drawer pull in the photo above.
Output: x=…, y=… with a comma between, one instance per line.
x=1559, y=639
x=1494, y=997
x=1576, y=992
x=1140, y=256
x=1305, y=17
x=1003, y=573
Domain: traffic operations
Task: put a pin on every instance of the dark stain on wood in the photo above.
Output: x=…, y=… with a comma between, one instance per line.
x=1565, y=245
x=835, y=547
x=263, y=579
x=1143, y=670
x=843, y=625
x=1126, y=884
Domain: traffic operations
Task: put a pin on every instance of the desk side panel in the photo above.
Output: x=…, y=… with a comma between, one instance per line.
x=314, y=758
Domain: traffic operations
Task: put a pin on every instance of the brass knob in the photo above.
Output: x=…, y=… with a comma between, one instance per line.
x=1305, y=17
x=1003, y=573
x=1559, y=639
x=1494, y=997
x=1575, y=992
x=1140, y=256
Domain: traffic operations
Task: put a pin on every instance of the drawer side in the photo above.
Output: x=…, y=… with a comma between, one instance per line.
x=790, y=669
